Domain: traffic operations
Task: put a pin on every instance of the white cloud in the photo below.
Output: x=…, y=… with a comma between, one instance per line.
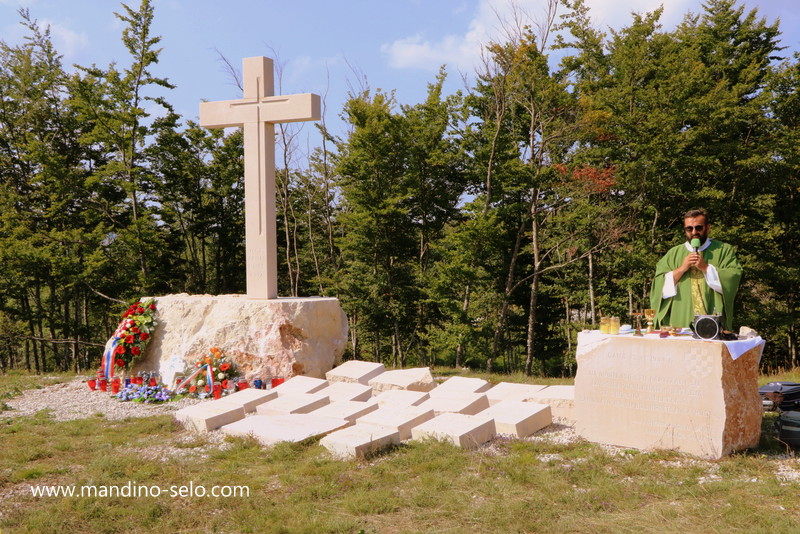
x=462, y=50
x=67, y=42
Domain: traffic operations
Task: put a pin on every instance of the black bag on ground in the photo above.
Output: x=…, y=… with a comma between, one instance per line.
x=784, y=395
x=788, y=424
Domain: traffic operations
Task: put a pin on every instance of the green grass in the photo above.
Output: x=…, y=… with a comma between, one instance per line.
x=14, y=383
x=512, y=486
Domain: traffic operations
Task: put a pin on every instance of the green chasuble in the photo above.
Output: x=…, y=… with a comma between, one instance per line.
x=679, y=310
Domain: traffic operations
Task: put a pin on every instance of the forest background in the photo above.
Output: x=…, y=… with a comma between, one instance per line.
x=483, y=228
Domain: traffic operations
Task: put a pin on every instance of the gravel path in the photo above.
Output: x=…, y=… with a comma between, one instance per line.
x=74, y=400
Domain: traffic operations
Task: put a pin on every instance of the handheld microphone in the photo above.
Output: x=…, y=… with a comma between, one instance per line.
x=695, y=243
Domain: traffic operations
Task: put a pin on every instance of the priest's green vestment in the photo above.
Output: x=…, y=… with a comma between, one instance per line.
x=678, y=310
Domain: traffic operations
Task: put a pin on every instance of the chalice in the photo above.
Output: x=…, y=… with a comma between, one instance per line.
x=650, y=314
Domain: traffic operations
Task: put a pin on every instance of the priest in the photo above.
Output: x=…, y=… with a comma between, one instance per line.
x=698, y=277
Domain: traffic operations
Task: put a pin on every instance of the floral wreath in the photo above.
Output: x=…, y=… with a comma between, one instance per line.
x=127, y=345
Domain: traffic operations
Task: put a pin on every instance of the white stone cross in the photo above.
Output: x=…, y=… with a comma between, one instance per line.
x=257, y=113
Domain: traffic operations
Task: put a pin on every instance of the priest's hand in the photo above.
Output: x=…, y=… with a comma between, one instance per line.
x=700, y=262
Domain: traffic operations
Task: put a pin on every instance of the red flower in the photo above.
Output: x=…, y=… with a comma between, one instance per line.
x=225, y=384
x=192, y=389
x=205, y=388
x=129, y=339
x=140, y=310
x=126, y=314
x=144, y=336
x=225, y=366
x=152, y=307
x=120, y=362
x=135, y=330
x=120, y=349
x=136, y=351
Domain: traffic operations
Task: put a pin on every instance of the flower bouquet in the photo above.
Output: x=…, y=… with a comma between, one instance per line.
x=145, y=394
x=210, y=369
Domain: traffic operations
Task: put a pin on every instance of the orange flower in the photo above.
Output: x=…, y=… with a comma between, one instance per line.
x=192, y=389
x=225, y=366
x=214, y=350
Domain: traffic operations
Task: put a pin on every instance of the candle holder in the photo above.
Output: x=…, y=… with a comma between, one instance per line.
x=637, y=316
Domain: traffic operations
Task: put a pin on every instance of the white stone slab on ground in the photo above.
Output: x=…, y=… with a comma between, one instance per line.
x=300, y=384
x=560, y=398
x=209, y=415
x=461, y=384
x=517, y=418
x=250, y=398
x=399, y=398
x=272, y=429
x=454, y=402
x=359, y=440
x=349, y=410
x=289, y=404
x=355, y=371
x=400, y=419
x=414, y=379
x=511, y=391
x=466, y=431
x=347, y=391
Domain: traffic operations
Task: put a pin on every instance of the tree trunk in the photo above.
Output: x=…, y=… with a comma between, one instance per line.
x=464, y=308
x=501, y=318
x=532, y=322
x=591, y=288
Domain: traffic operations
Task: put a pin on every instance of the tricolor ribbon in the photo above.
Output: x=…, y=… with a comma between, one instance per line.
x=210, y=377
x=108, y=357
x=193, y=375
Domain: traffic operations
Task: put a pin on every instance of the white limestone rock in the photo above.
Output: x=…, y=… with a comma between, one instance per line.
x=277, y=337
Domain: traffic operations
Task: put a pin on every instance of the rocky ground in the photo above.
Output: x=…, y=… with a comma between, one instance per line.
x=74, y=400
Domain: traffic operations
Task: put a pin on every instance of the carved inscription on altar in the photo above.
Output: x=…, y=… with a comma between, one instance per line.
x=654, y=394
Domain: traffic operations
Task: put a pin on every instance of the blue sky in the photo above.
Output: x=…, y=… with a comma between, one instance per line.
x=326, y=47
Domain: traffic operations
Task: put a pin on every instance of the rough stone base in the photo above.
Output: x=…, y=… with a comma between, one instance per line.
x=681, y=394
x=281, y=337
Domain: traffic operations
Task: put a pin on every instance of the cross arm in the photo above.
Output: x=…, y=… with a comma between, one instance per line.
x=271, y=109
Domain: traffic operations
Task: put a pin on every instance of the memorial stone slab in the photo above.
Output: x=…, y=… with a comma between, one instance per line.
x=209, y=415
x=560, y=398
x=356, y=371
x=347, y=391
x=518, y=418
x=682, y=394
x=291, y=404
x=349, y=410
x=465, y=431
x=400, y=419
x=454, y=402
x=511, y=391
x=399, y=398
x=250, y=398
x=359, y=440
x=300, y=384
x=414, y=379
x=272, y=429
x=460, y=384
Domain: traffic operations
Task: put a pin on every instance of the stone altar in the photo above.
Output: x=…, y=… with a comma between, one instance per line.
x=673, y=393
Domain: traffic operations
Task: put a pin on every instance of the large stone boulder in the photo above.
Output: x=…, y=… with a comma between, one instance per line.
x=694, y=396
x=281, y=337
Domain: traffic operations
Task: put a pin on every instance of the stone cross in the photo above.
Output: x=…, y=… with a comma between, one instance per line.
x=257, y=113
